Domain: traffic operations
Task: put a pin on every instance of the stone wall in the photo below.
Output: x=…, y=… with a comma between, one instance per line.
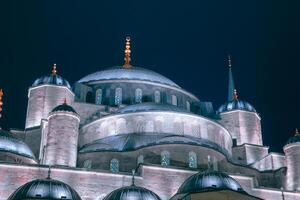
x=62, y=139
x=292, y=156
x=42, y=99
x=94, y=185
x=244, y=126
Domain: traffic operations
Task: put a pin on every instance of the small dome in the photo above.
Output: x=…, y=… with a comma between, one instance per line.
x=132, y=192
x=150, y=107
x=294, y=139
x=236, y=105
x=64, y=107
x=9, y=143
x=132, y=73
x=209, y=180
x=45, y=189
x=51, y=80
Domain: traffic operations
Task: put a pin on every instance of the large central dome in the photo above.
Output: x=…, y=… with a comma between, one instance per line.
x=132, y=73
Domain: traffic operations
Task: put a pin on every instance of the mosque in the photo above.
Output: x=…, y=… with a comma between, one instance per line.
x=130, y=133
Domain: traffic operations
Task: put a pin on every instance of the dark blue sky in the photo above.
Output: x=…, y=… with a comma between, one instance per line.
x=187, y=41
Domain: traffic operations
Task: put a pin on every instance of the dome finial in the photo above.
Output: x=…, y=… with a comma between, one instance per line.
x=65, y=100
x=235, y=95
x=54, y=71
x=133, y=174
x=1, y=102
x=127, y=51
x=229, y=60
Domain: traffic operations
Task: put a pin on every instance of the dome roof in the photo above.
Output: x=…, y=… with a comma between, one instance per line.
x=51, y=80
x=209, y=180
x=294, y=139
x=150, y=107
x=132, y=192
x=236, y=105
x=132, y=73
x=45, y=189
x=64, y=107
x=9, y=143
x=134, y=141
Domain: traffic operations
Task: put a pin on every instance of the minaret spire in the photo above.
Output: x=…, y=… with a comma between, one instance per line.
x=54, y=70
x=1, y=102
x=296, y=132
x=127, y=52
x=231, y=87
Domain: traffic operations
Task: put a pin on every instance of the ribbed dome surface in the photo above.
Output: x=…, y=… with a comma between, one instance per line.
x=209, y=180
x=64, y=107
x=236, y=105
x=132, y=193
x=45, y=189
x=150, y=107
x=9, y=143
x=51, y=80
x=133, y=73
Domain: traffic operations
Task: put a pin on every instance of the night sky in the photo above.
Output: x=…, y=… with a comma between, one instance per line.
x=187, y=41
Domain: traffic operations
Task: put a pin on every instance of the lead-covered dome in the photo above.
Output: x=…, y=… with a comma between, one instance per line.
x=11, y=144
x=132, y=73
x=209, y=180
x=64, y=107
x=236, y=105
x=295, y=138
x=132, y=192
x=45, y=189
x=52, y=79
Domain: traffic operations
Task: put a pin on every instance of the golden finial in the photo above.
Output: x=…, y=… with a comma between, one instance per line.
x=296, y=132
x=54, y=71
x=229, y=60
x=235, y=95
x=127, y=51
x=1, y=102
x=65, y=101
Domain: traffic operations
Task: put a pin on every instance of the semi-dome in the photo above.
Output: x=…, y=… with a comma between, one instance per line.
x=132, y=192
x=209, y=180
x=52, y=79
x=132, y=73
x=141, y=107
x=45, y=189
x=11, y=144
x=236, y=105
x=64, y=107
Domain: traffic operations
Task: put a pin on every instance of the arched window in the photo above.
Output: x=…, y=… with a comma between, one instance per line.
x=165, y=158
x=140, y=159
x=87, y=164
x=157, y=96
x=138, y=95
x=98, y=96
x=192, y=160
x=188, y=106
x=118, y=96
x=174, y=100
x=89, y=97
x=114, y=165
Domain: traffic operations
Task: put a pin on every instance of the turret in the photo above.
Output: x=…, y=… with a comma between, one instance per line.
x=60, y=137
x=292, y=157
x=240, y=117
x=46, y=93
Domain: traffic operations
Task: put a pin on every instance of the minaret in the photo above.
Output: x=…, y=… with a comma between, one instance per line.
x=46, y=93
x=60, y=141
x=292, y=157
x=239, y=117
x=127, y=52
x=231, y=87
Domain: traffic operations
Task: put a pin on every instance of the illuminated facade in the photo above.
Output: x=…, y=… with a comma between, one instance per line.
x=123, y=118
